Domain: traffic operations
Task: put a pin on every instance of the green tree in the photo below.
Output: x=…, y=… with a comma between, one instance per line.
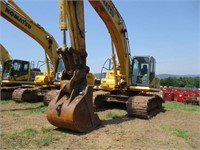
x=192, y=82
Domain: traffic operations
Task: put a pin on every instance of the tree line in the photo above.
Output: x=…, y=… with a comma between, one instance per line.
x=187, y=82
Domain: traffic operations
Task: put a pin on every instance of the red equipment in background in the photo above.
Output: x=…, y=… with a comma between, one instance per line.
x=188, y=96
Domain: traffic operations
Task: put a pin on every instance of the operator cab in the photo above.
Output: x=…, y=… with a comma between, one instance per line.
x=143, y=70
x=14, y=69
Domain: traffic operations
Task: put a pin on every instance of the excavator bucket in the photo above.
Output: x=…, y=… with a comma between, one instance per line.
x=77, y=114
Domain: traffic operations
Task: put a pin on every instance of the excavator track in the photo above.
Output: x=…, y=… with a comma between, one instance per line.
x=144, y=106
x=98, y=99
x=28, y=95
x=49, y=96
x=6, y=92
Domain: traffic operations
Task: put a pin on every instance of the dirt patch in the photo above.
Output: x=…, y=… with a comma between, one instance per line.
x=168, y=130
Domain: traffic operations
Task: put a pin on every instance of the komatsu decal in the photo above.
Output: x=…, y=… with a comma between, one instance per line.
x=22, y=21
x=108, y=8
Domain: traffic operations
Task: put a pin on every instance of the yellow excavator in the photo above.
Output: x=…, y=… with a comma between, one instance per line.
x=15, y=72
x=4, y=55
x=3, y=58
x=73, y=107
x=131, y=80
x=18, y=72
x=12, y=66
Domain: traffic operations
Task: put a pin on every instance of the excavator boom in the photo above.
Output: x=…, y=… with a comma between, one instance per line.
x=117, y=29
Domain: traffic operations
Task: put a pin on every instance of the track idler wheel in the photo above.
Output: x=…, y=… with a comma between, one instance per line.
x=77, y=114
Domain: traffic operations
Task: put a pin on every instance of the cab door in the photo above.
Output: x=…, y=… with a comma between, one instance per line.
x=140, y=70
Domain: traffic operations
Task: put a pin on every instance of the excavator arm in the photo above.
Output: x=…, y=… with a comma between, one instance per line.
x=12, y=13
x=74, y=57
x=73, y=107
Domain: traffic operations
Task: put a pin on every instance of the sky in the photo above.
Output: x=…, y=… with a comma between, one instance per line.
x=166, y=29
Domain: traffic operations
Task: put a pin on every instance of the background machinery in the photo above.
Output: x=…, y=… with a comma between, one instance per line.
x=42, y=81
x=3, y=58
x=14, y=72
x=73, y=107
x=4, y=55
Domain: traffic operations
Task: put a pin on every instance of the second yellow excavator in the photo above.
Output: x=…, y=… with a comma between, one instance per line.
x=128, y=80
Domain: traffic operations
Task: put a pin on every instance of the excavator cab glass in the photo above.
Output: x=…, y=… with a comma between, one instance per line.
x=143, y=69
x=14, y=69
x=59, y=69
x=6, y=70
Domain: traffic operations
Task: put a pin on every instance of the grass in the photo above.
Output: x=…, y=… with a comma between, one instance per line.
x=4, y=102
x=112, y=115
x=181, y=107
x=25, y=107
x=19, y=139
x=182, y=133
x=116, y=113
x=39, y=109
x=48, y=136
x=46, y=139
x=30, y=138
